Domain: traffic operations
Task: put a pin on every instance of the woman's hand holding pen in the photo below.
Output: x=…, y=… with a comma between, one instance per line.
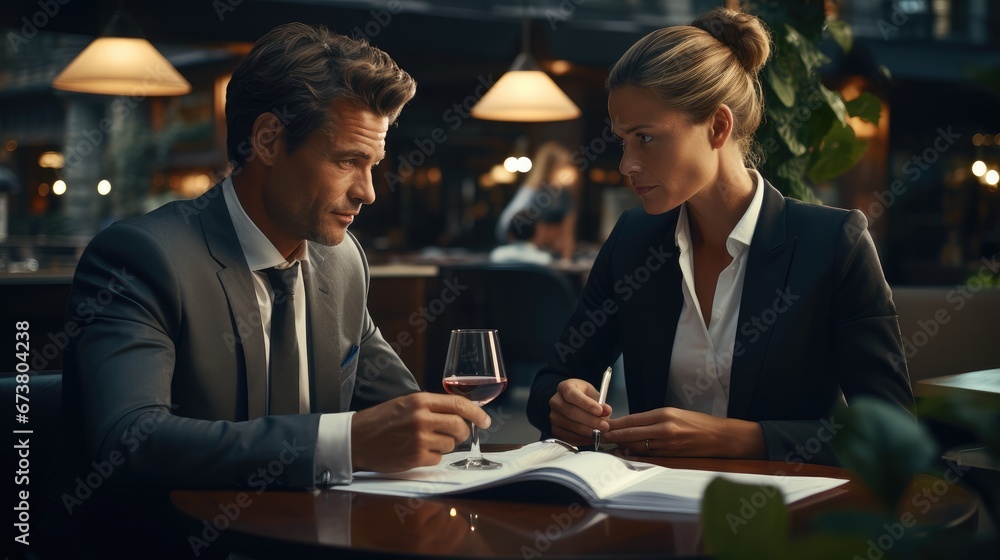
x=575, y=412
x=675, y=432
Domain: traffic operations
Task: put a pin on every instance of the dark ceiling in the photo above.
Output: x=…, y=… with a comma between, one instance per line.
x=593, y=32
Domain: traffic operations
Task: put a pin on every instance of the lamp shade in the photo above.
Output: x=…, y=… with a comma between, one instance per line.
x=121, y=66
x=525, y=94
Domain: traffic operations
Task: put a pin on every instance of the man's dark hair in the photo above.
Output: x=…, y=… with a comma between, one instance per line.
x=296, y=70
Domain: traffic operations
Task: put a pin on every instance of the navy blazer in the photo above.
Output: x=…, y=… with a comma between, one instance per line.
x=816, y=321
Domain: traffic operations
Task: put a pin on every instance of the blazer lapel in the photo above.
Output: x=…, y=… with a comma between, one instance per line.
x=224, y=246
x=668, y=299
x=661, y=299
x=324, y=335
x=767, y=271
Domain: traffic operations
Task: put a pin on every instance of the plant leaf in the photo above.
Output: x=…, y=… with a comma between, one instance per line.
x=788, y=133
x=812, y=58
x=744, y=520
x=836, y=103
x=866, y=106
x=780, y=83
x=841, y=32
x=839, y=151
x=883, y=444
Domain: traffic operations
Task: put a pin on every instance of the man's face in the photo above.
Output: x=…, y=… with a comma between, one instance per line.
x=315, y=192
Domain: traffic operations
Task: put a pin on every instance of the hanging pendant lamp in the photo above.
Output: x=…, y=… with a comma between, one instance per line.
x=121, y=62
x=525, y=93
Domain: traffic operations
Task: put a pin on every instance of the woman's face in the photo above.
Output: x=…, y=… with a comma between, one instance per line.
x=667, y=159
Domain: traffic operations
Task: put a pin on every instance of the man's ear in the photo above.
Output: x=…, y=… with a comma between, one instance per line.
x=721, y=127
x=267, y=137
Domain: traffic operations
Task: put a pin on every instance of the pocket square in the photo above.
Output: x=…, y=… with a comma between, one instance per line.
x=351, y=355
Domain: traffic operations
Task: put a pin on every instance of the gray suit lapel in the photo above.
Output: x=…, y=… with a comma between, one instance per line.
x=235, y=276
x=767, y=271
x=324, y=334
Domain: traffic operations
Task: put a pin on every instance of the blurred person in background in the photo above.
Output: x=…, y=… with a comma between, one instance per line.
x=551, y=189
x=529, y=236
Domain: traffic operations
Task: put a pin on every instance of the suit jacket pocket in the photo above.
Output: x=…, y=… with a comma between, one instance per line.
x=348, y=374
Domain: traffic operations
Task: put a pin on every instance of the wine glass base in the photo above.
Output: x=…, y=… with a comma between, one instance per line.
x=475, y=464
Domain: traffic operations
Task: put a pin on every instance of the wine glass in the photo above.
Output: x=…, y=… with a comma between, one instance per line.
x=474, y=370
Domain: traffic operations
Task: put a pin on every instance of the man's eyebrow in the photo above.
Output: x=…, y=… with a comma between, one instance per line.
x=352, y=154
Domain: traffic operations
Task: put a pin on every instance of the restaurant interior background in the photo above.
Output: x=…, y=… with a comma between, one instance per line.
x=932, y=63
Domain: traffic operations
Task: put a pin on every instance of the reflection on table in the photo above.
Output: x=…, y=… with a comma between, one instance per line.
x=529, y=520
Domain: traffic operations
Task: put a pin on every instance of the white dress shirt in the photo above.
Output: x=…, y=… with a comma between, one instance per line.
x=702, y=358
x=333, y=446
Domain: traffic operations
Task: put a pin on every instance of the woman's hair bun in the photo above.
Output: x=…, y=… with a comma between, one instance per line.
x=745, y=34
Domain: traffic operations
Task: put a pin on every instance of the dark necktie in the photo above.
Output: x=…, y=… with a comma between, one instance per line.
x=284, y=369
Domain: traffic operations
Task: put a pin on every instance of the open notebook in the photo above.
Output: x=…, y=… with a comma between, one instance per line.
x=603, y=480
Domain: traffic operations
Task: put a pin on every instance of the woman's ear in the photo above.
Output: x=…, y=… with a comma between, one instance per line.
x=266, y=137
x=722, y=127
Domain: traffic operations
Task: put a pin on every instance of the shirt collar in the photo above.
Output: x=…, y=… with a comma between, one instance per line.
x=741, y=235
x=260, y=253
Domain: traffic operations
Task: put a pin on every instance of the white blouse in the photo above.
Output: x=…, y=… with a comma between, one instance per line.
x=702, y=357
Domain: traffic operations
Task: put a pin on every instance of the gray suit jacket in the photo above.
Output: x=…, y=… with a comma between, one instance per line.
x=168, y=369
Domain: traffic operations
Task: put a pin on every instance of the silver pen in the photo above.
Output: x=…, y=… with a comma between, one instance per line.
x=605, y=382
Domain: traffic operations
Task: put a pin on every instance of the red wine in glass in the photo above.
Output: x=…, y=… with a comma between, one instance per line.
x=479, y=390
x=474, y=370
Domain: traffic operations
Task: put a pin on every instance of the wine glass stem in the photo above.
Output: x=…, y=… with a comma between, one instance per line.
x=474, y=453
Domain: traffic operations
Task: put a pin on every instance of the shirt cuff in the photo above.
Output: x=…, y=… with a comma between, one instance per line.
x=333, y=450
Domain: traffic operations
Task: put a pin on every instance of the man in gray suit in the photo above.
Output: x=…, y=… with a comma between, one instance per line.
x=225, y=341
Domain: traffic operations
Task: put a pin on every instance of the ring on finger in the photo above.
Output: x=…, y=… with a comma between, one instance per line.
x=647, y=446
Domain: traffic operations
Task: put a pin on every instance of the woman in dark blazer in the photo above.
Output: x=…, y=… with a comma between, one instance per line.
x=743, y=317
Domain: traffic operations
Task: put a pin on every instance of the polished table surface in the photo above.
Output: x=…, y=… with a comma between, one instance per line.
x=316, y=524
x=985, y=382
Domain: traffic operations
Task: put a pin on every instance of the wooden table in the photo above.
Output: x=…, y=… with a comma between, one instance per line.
x=321, y=523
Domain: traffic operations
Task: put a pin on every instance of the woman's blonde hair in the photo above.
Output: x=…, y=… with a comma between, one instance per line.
x=696, y=68
x=549, y=158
